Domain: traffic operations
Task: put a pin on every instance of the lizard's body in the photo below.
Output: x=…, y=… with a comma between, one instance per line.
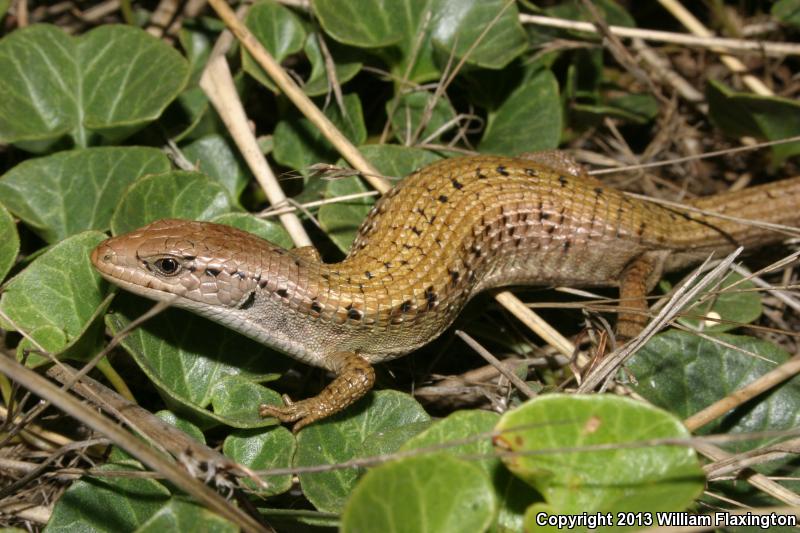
x=443, y=234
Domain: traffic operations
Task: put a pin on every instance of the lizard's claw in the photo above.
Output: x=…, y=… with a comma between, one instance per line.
x=303, y=412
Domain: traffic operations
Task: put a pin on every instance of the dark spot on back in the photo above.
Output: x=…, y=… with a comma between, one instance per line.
x=316, y=307
x=531, y=172
x=405, y=307
x=431, y=297
x=562, y=180
x=443, y=198
x=368, y=274
x=502, y=170
x=262, y=283
x=567, y=244
x=457, y=184
x=417, y=231
x=454, y=275
x=240, y=274
x=354, y=314
x=598, y=191
x=213, y=272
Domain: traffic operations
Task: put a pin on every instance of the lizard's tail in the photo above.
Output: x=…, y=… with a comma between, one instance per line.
x=775, y=203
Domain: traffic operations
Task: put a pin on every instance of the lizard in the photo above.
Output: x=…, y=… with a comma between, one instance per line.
x=441, y=235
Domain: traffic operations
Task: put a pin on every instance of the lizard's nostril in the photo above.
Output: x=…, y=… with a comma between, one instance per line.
x=102, y=254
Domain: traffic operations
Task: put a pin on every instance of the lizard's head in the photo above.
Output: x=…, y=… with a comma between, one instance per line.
x=190, y=263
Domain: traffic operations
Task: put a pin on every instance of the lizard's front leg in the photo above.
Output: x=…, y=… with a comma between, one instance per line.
x=354, y=378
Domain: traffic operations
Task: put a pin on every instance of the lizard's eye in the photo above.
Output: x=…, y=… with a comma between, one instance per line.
x=167, y=266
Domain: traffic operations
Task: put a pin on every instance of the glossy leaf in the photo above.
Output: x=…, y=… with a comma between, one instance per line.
x=787, y=11
x=529, y=120
x=636, y=478
x=216, y=158
x=409, y=112
x=108, y=504
x=58, y=294
x=673, y=369
x=132, y=503
x=299, y=144
x=183, y=515
x=178, y=194
x=341, y=220
x=421, y=494
x=69, y=192
x=342, y=437
x=450, y=27
x=345, y=66
x=278, y=29
x=188, y=358
x=739, y=304
x=110, y=81
x=263, y=449
x=237, y=398
x=9, y=242
x=766, y=117
x=468, y=435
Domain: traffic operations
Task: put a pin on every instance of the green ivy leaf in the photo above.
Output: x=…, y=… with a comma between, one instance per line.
x=9, y=242
x=214, y=157
x=188, y=357
x=342, y=437
x=341, y=220
x=183, y=515
x=646, y=478
x=745, y=114
x=69, y=192
x=263, y=449
x=345, y=66
x=787, y=11
x=237, y=398
x=672, y=370
x=392, y=27
x=132, y=503
x=110, y=81
x=299, y=144
x=108, y=503
x=529, y=120
x=429, y=493
x=738, y=305
x=409, y=112
x=278, y=29
x=58, y=294
x=685, y=373
x=177, y=194
x=461, y=430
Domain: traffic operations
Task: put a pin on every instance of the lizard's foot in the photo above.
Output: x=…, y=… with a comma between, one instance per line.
x=355, y=377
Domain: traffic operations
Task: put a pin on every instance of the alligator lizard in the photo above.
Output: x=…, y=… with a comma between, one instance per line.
x=444, y=233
